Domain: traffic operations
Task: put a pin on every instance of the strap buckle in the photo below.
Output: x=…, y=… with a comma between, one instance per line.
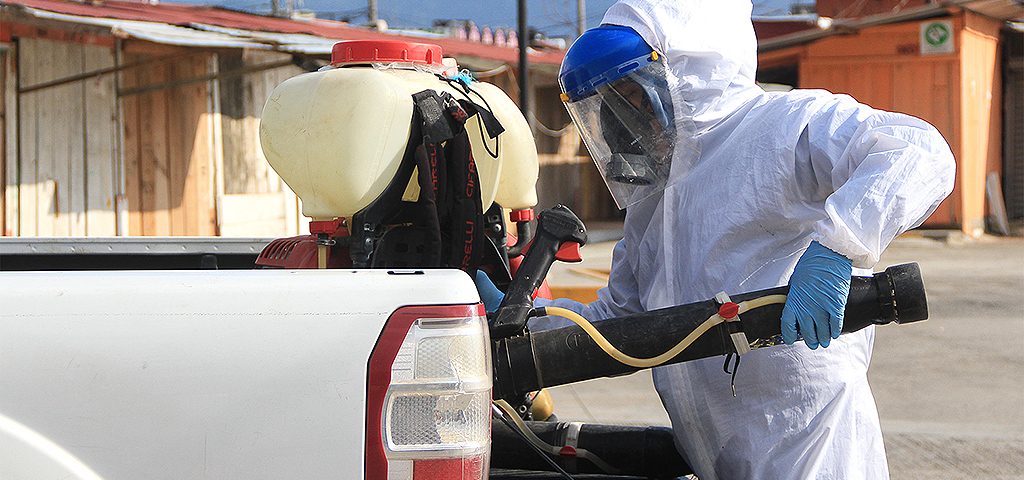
x=730, y=313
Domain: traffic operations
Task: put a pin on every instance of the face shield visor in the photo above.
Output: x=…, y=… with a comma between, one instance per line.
x=628, y=126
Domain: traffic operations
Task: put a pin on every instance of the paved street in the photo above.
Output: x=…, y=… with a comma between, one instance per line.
x=950, y=391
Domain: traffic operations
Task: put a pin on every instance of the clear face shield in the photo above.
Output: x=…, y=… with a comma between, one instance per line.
x=628, y=126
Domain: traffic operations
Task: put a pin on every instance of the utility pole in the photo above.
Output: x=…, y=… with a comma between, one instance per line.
x=372, y=13
x=581, y=17
x=524, y=67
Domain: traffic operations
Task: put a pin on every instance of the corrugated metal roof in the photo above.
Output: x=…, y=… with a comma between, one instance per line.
x=287, y=42
x=192, y=25
x=151, y=31
x=766, y=27
x=802, y=18
x=1001, y=9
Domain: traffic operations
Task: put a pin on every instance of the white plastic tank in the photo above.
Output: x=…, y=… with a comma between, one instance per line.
x=337, y=136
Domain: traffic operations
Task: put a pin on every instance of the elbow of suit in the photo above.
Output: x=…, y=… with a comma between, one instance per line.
x=948, y=166
x=949, y=174
x=934, y=158
x=941, y=161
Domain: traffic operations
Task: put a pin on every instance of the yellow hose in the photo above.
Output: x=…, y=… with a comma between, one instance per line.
x=672, y=352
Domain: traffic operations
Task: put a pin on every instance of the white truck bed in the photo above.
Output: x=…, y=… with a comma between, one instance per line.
x=195, y=374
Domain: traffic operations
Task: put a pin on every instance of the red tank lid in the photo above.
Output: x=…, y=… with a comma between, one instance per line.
x=385, y=51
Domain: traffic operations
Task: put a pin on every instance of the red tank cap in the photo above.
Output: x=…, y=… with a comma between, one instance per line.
x=384, y=51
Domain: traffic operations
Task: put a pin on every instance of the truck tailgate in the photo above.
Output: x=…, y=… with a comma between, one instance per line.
x=197, y=374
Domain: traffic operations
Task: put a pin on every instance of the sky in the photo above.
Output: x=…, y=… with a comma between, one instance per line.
x=552, y=17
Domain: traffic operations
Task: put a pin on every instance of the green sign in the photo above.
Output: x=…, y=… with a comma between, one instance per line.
x=937, y=37
x=937, y=34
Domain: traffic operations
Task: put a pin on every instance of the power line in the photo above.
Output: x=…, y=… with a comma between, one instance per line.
x=581, y=17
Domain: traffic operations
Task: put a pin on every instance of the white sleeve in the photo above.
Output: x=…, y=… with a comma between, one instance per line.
x=888, y=173
x=620, y=297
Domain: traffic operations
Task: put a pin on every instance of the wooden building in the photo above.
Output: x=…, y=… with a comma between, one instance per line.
x=141, y=118
x=129, y=117
x=946, y=65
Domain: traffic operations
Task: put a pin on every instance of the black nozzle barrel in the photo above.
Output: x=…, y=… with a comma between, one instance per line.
x=548, y=358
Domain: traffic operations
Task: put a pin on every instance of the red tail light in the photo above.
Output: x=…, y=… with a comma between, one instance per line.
x=428, y=396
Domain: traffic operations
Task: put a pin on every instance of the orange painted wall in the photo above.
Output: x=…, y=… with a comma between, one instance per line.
x=956, y=92
x=981, y=101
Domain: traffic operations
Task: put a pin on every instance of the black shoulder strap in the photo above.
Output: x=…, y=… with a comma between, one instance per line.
x=464, y=209
x=392, y=233
x=444, y=226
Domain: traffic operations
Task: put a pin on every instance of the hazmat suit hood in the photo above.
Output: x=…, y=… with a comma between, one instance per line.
x=710, y=49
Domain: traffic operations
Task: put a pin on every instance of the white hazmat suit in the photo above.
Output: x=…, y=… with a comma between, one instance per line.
x=774, y=172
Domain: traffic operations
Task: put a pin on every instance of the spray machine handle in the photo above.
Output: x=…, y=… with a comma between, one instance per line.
x=559, y=235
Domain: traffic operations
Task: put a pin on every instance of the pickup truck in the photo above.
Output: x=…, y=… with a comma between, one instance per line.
x=178, y=373
x=175, y=358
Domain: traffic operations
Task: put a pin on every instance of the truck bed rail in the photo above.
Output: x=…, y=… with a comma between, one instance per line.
x=129, y=253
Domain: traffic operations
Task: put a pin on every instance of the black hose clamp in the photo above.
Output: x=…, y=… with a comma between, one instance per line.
x=886, y=298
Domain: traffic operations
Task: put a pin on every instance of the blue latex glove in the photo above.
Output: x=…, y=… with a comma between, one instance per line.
x=489, y=294
x=817, y=297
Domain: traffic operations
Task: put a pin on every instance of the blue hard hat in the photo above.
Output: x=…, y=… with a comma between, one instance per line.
x=600, y=56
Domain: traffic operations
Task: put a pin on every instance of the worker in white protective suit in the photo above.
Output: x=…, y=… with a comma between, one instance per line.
x=731, y=188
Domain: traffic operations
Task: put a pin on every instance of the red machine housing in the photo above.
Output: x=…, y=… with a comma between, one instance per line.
x=300, y=252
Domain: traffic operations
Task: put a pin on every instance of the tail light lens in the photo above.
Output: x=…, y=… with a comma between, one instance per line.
x=429, y=395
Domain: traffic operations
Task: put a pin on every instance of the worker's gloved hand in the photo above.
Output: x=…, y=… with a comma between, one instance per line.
x=489, y=294
x=817, y=297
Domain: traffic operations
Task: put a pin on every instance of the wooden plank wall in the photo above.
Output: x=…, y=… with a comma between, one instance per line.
x=101, y=138
x=5, y=112
x=10, y=134
x=256, y=201
x=882, y=67
x=168, y=148
x=242, y=98
x=552, y=114
x=66, y=158
x=564, y=157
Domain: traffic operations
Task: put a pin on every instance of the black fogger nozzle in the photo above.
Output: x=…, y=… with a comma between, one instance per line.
x=535, y=360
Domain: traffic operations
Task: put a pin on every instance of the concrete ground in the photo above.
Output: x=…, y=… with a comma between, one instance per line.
x=949, y=391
